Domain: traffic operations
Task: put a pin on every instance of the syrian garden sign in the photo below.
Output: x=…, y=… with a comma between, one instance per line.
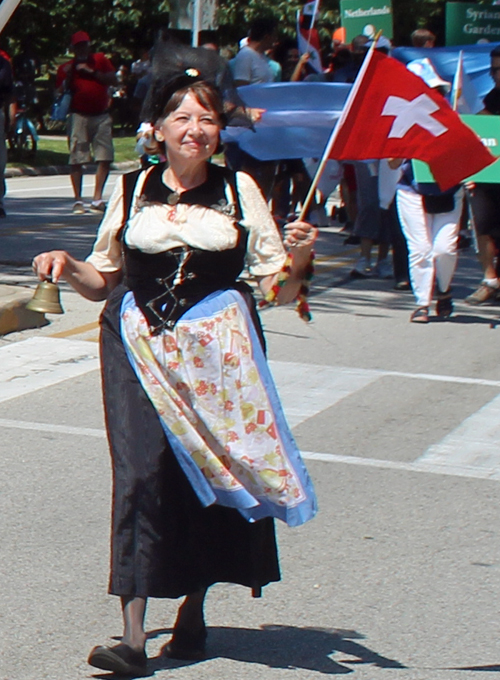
x=469, y=24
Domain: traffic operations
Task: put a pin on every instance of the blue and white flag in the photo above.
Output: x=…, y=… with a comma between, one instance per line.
x=297, y=122
x=476, y=64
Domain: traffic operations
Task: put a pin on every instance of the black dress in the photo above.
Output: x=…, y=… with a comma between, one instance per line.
x=164, y=543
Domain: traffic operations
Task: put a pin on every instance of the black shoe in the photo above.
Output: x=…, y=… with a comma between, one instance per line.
x=463, y=242
x=186, y=645
x=402, y=285
x=2, y=212
x=444, y=305
x=121, y=659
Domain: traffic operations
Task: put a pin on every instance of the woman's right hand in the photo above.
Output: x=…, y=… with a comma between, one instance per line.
x=52, y=265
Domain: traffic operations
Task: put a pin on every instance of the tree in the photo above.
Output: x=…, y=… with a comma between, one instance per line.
x=126, y=26
x=123, y=26
x=235, y=16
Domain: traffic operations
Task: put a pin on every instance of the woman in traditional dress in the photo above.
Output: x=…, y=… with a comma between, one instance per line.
x=202, y=457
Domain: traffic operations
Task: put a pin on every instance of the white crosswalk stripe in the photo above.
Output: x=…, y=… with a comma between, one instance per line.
x=471, y=450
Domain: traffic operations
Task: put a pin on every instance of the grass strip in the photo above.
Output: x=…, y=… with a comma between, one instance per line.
x=55, y=152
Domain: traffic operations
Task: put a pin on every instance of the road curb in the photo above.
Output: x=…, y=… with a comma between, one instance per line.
x=13, y=313
x=89, y=168
x=13, y=298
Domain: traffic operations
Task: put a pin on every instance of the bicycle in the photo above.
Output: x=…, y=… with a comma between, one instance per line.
x=23, y=137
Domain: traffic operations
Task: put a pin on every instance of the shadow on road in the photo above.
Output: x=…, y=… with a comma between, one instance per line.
x=285, y=647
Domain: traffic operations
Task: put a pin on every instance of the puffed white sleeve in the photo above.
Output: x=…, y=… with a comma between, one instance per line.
x=106, y=255
x=265, y=252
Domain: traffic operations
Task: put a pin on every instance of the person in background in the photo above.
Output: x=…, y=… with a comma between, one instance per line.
x=347, y=72
x=430, y=219
x=291, y=180
x=423, y=38
x=7, y=104
x=121, y=109
x=369, y=226
x=250, y=66
x=286, y=53
x=142, y=66
x=485, y=208
x=88, y=76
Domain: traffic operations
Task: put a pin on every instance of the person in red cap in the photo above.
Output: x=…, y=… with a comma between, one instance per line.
x=88, y=77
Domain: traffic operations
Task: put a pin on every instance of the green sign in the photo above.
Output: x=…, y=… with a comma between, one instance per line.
x=469, y=24
x=488, y=128
x=366, y=17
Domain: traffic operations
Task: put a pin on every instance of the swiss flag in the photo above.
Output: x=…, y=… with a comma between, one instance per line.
x=392, y=113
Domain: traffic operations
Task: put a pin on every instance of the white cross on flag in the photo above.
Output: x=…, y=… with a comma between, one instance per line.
x=392, y=113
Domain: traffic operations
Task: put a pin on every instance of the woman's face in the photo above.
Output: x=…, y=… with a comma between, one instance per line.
x=191, y=132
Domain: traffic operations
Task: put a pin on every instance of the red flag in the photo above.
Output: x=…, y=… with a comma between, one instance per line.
x=394, y=114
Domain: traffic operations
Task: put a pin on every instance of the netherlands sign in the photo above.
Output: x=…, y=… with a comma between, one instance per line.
x=366, y=17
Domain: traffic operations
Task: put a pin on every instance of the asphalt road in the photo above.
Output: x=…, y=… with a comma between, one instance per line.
x=399, y=574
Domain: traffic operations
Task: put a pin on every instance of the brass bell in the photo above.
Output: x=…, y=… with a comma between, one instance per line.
x=46, y=299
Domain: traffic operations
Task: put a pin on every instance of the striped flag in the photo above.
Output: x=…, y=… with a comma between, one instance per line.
x=464, y=97
x=307, y=35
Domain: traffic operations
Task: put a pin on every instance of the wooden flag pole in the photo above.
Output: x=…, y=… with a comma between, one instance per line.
x=336, y=130
x=457, y=84
x=7, y=9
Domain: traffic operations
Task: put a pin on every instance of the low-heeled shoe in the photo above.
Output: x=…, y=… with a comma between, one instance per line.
x=186, y=645
x=121, y=659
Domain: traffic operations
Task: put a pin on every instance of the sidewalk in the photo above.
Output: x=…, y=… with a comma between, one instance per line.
x=13, y=298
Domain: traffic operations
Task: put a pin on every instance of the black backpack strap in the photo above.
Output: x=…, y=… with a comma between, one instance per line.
x=129, y=183
x=230, y=178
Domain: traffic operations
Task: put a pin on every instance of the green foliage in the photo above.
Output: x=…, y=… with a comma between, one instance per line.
x=125, y=27
x=235, y=17
x=121, y=26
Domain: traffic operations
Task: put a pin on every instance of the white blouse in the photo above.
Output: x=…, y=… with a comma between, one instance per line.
x=154, y=228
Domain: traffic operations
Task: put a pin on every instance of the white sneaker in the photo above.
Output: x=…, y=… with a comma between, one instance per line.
x=383, y=269
x=78, y=208
x=362, y=269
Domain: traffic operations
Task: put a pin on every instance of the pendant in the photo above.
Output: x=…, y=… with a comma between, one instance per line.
x=174, y=198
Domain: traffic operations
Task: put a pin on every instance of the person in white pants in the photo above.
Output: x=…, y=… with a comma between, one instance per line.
x=432, y=247
x=430, y=221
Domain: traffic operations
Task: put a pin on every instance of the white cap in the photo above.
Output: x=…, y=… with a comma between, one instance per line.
x=243, y=42
x=425, y=70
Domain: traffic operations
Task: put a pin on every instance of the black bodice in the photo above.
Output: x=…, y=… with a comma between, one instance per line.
x=167, y=284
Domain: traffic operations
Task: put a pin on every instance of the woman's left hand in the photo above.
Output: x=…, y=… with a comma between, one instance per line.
x=300, y=235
